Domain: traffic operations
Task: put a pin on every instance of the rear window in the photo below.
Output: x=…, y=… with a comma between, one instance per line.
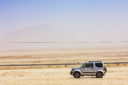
x=99, y=65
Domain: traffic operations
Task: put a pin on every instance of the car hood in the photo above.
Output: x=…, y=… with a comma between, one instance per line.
x=75, y=68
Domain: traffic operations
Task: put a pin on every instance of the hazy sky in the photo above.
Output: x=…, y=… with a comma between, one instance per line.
x=85, y=20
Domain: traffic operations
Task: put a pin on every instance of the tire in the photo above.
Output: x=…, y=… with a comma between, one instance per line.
x=76, y=75
x=99, y=75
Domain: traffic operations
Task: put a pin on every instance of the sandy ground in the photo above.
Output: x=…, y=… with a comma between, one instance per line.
x=61, y=76
x=116, y=54
x=40, y=75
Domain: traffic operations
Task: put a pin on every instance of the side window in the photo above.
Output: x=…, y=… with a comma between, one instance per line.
x=99, y=65
x=88, y=65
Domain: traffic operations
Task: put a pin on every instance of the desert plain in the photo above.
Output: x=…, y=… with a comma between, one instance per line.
x=59, y=75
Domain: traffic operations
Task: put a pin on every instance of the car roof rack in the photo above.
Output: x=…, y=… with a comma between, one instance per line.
x=94, y=61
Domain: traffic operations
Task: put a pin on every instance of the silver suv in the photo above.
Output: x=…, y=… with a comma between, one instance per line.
x=91, y=68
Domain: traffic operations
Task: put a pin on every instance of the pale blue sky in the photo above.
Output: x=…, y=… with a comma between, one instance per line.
x=85, y=20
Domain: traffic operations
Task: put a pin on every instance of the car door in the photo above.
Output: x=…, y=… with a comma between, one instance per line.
x=88, y=69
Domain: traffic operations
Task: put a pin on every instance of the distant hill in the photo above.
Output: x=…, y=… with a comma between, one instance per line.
x=38, y=34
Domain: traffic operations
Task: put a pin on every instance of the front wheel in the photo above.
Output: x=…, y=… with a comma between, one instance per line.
x=99, y=75
x=76, y=75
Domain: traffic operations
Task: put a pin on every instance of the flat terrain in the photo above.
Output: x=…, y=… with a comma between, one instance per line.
x=113, y=54
x=57, y=76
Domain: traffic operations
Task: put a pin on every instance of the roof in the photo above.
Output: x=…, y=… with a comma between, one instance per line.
x=95, y=61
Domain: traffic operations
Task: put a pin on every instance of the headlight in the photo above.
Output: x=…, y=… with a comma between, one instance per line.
x=72, y=69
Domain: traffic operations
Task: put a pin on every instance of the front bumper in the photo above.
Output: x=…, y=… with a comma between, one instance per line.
x=71, y=73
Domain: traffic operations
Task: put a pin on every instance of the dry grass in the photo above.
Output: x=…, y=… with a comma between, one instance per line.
x=53, y=67
x=64, y=56
x=60, y=76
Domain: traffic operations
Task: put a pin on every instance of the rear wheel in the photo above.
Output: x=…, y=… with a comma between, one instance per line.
x=99, y=75
x=76, y=75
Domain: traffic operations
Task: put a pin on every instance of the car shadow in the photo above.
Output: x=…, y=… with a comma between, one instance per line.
x=88, y=77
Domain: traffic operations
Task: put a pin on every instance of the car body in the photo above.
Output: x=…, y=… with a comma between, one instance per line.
x=91, y=68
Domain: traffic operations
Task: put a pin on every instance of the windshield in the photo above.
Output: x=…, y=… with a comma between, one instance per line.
x=83, y=65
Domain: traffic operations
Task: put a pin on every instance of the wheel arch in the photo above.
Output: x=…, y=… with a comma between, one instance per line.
x=76, y=72
x=100, y=72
